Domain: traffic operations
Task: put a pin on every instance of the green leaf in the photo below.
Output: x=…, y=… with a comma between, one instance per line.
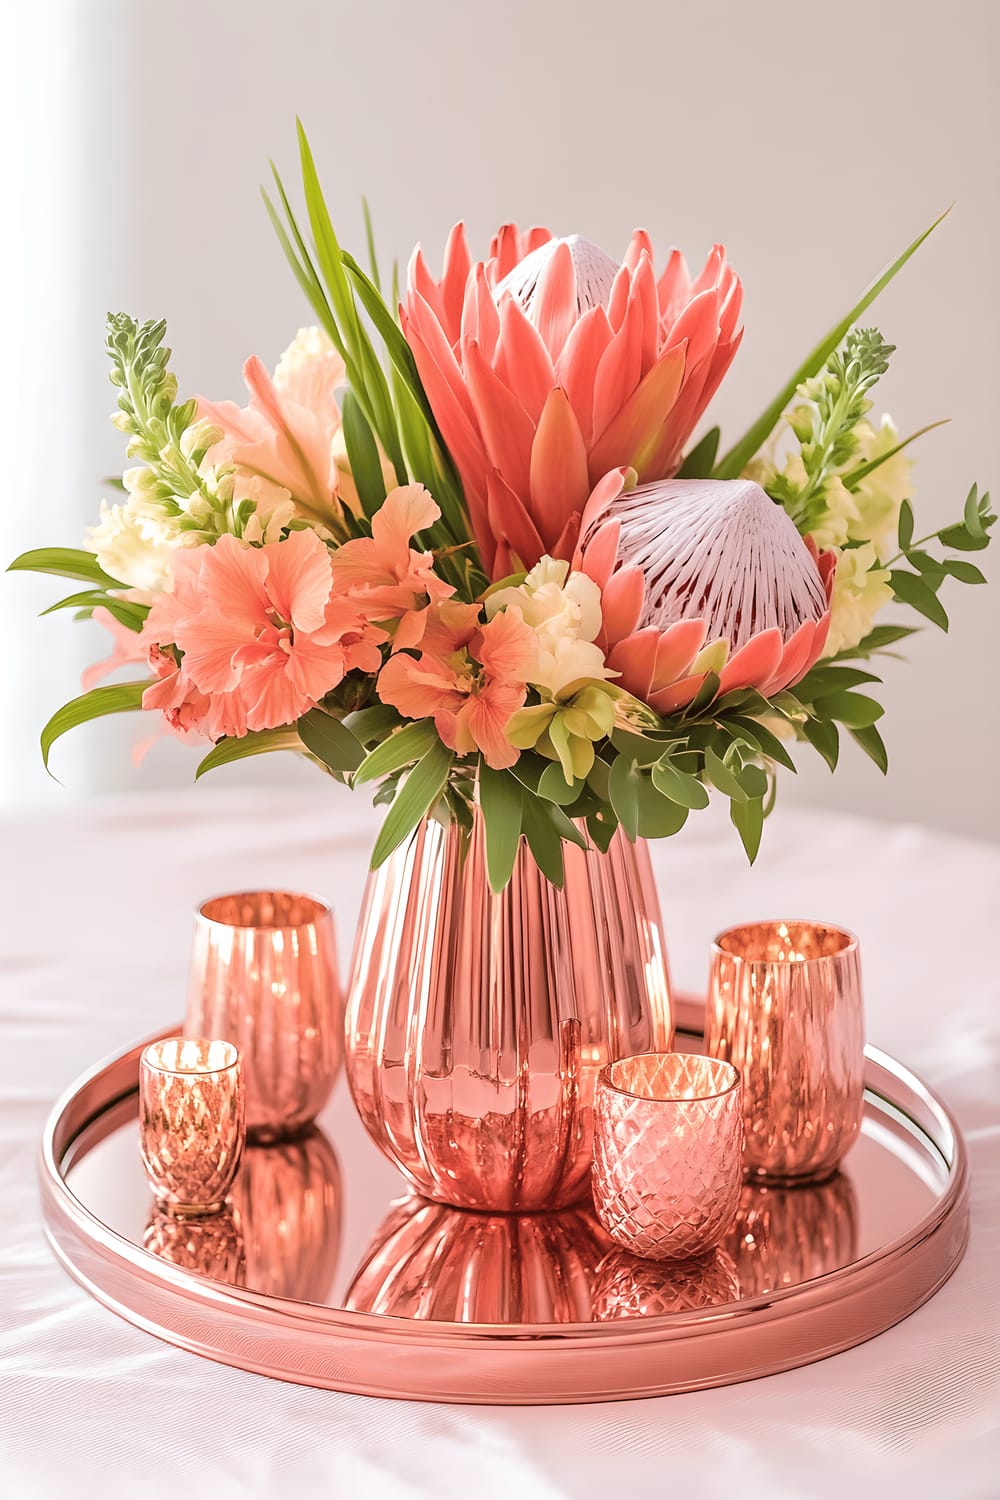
x=131, y=615
x=722, y=777
x=370, y=240
x=636, y=747
x=854, y=478
x=64, y=562
x=118, y=698
x=965, y=572
x=327, y=739
x=500, y=800
x=905, y=525
x=602, y=828
x=362, y=455
x=824, y=680
x=767, y=742
x=824, y=736
x=706, y=694
x=972, y=518
x=872, y=744
x=623, y=791
x=679, y=786
x=564, y=825
x=735, y=461
x=401, y=748
x=418, y=794
x=659, y=817
x=748, y=820
x=543, y=840
x=853, y=710
x=374, y=723
x=753, y=780
x=911, y=589
x=960, y=539
x=553, y=787
x=698, y=463
x=257, y=742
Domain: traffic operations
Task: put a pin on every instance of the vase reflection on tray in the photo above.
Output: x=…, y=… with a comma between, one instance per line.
x=428, y=1261
x=478, y=1023
x=289, y=1200
x=786, y=1235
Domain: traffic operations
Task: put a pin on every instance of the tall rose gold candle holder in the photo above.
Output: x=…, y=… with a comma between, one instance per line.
x=785, y=1007
x=192, y=1123
x=264, y=975
x=668, y=1132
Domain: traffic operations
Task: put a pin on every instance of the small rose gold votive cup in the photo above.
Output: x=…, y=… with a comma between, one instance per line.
x=264, y=975
x=192, y=1122
x=785, y=1007
x=668, y=1136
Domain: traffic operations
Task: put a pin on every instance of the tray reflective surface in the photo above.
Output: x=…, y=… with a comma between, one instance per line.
x=326, y=1270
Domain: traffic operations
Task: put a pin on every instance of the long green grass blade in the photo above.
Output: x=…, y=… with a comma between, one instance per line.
x=118, y=698
x=64, y=562
x=734, y=462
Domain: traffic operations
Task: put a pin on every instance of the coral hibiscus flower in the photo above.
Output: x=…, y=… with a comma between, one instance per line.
x=469, y=677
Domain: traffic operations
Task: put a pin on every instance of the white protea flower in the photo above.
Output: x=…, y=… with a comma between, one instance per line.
x=593, y=276
x=702, y=575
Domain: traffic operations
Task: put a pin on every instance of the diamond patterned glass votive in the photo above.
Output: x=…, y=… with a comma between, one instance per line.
x=191, y=1122
x=668, y=1132
x=785, y=1007
x=264, y=975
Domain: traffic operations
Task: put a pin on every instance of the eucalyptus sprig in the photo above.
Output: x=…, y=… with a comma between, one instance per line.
x=918, y=584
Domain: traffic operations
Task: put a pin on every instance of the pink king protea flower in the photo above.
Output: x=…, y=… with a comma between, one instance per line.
x=700, y=576
x=550, y=364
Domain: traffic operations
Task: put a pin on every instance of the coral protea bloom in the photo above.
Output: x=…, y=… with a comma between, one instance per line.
x=550, y=364
x=702, y=576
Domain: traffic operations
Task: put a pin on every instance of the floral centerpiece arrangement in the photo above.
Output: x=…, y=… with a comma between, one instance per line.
x=460, y=544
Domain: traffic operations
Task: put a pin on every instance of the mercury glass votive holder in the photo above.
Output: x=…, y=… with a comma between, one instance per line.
x=264, y=976
x=192, y=1122
x=785, y=1007
x=668, y=1136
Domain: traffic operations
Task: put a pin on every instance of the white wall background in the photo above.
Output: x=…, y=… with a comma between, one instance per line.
x=815, y=141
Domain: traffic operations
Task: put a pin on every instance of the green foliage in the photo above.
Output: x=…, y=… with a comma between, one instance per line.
x=329, y=741
x=393, y=408
x=64, y=562
x=118, y=698
x=256, y=742
x=415, y=798
x=737, y=458
x=918, y=584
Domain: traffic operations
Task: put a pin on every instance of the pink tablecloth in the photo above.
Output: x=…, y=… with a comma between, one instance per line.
x=95, y=927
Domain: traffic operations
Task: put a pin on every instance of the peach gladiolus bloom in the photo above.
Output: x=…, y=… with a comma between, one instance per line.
x=286, y=435
x=550, y=364
x=382, y=574
x=263, y=636
x=469, y=677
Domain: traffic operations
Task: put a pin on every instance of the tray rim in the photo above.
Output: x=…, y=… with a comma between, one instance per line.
x=147, y=1291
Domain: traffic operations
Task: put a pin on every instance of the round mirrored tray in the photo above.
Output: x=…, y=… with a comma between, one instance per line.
x=326, y=1271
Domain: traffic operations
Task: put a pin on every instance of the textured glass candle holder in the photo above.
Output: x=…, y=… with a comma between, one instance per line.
x=668, y=1132
x=264, y=976
x=785, y=1007
x=192, y=1122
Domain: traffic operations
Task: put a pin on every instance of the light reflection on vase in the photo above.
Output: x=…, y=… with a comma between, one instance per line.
x=289, y=1200
x=478, y=1023
x=786, y=1235
x=429, y=1261
x=211, y=1245
x=630, y=1286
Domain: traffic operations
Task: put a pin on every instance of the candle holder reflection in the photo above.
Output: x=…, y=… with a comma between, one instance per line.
x=629, y=1286
x=786, y=1235
x=211, y=1246
x=454, y=1266
x=289, y=1198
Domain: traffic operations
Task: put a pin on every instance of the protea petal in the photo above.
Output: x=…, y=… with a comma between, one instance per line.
x=511, y=524
x=635, y=659
x=507, y=430
x=522, y=358
x=577, y=366
x=559, y=480
x=622, y=599
x=632, y=434
x=754, y=664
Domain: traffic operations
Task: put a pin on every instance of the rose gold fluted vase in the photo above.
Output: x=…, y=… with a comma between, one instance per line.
x=477, y=1023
